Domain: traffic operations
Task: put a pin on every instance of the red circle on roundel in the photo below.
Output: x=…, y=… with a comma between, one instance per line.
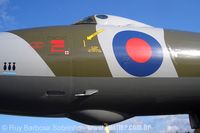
x=139, y=50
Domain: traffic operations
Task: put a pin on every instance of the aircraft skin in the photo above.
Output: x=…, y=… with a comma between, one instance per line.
x=104, y=70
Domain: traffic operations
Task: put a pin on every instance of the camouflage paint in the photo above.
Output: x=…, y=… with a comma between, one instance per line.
x=184, y=48
x=77, y=60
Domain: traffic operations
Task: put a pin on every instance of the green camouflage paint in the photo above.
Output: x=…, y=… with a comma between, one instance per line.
x=78, y=57
x=184, y=48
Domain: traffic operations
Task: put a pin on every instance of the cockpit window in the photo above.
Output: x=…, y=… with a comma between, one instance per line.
x=102, y=16
x=88, y=20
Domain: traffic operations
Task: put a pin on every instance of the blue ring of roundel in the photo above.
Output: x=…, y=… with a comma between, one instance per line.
x=129, y=65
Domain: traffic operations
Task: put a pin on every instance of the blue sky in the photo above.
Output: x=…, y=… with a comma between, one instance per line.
x=170, y=14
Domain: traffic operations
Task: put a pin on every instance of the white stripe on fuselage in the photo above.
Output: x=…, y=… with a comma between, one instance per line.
x=28, y=63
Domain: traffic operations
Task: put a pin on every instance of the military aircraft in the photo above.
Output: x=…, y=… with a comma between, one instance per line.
x=101, y=70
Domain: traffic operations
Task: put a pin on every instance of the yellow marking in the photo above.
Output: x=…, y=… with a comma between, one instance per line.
x=84, y=43
x=106, y=128
x=90, y=37
x=94, y=49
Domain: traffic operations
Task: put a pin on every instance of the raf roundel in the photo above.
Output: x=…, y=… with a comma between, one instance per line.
x=139, y=54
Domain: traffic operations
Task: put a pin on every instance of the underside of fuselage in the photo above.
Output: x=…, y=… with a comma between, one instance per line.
x=116, y=99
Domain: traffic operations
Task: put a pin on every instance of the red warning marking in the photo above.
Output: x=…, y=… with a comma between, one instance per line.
x=57, y=46
x=37, y=45
x=139, y=50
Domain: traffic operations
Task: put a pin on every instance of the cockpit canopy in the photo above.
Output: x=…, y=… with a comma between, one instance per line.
x=87, y=20
x=111, y=20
